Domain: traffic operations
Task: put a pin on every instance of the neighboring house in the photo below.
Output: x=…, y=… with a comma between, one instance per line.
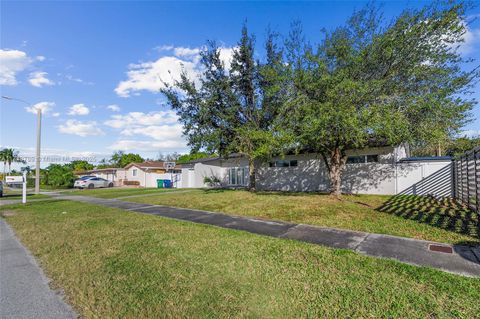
x=379, y=170
x=115, y=175
x=147, y=173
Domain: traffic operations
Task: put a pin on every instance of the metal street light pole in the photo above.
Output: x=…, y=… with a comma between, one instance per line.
x=39, y=130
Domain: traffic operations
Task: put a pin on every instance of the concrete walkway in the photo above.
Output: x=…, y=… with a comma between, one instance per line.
x=24, y=290
x=462, y=260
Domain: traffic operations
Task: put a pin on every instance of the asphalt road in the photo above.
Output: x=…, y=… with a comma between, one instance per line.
x=24, y=290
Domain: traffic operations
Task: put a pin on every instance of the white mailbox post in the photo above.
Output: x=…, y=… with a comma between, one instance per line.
x=19, y=180
x=24, y=188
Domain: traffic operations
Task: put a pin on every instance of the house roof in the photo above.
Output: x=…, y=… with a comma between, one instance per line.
x=426, y=158
x=208, y=159
x=101, y=170
x=151, y=165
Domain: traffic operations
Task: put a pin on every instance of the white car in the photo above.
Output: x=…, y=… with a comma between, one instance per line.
x=92, y=182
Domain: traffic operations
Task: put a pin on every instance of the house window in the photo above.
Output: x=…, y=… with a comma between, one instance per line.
x=372, y=158
x=355, y=159
x=284, y=163
x=362, y=159
x=236, y=176
x=134, y=172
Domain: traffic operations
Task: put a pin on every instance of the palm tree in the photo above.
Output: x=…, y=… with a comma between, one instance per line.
x=3, y=158
x=10, y=155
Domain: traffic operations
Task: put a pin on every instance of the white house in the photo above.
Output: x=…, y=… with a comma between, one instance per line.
x=147, y=173
x=380, y=170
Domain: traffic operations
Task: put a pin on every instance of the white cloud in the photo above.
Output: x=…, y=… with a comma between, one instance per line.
x=54, y=155
x=39, y=79
x=157, y=132
x=151, y=76
x=11, y=63
x=226, y=55
x=470, y=133
x=469, y=41
x=162, y=127
x=56, y=114
x=80, y=128
x=147, y=146
x=78, y=80
x=471, y=38
x=113, y=108
x=79, y=109
x=45, y=107
x=186, y=52
x=137, y=119
x=40, y=58
x=164, y=48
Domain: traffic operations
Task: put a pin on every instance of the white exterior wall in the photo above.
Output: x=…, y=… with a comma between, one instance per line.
x=194, y=176
x=151, y=179
x=116, y=177
x=140, y=177
x=311, y=174
x=424, y=178
x=387, y=176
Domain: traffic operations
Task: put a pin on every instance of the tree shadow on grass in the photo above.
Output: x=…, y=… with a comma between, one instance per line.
x=443, y=213
x=15, y=196
x=263, y=193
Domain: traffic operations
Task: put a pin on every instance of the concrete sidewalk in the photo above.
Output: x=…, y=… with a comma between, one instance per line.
x=24, y=290
x=462, y=260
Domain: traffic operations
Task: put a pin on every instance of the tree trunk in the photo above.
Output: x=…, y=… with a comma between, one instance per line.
x=335, y=168
x=251, y=175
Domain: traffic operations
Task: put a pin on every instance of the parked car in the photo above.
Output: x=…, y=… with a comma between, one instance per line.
x=92, y=182
x=1, y=189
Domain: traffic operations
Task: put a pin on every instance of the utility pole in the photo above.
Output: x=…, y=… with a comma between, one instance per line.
x=37, y=158
x=39, y=130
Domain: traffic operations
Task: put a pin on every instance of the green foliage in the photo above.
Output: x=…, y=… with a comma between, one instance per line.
x=58, y=175
x=365, y=84
x=232, y=111
x=461, y=145
x=9, y=156
x=369, y=84
x=79, y=166
x=193, y=156
x=113, y=263
x=120, y=159
x=452, y=147
x=211, y=180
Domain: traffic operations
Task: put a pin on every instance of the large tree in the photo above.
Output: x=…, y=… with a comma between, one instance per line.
x=80, y=165
x=232, y=110
x=122, y=159
x=371, y=84
x=58, y=175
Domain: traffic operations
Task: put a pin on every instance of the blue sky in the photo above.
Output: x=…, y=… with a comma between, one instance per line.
x=94, y=67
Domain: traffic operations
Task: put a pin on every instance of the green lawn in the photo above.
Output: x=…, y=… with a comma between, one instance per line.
x=119, y=192
x=117, y=264
x=9, y=194
x=407, y=216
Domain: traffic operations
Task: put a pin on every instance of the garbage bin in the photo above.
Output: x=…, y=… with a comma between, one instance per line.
x=160, y=183
x=167, y=183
